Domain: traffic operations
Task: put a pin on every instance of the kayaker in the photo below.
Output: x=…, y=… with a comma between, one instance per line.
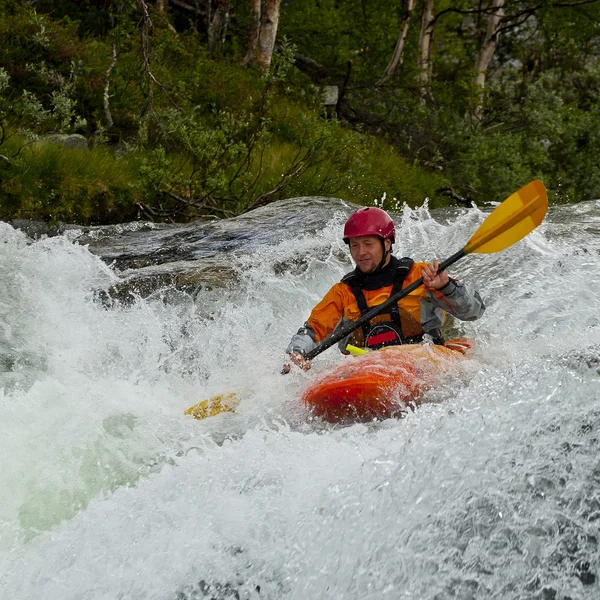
x=370, y=233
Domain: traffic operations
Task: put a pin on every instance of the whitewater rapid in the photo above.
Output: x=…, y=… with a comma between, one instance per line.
x=491, y=490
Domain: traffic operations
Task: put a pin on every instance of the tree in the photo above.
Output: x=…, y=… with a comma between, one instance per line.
x=263, y=33
x=425, y=45
x=496, y=12
x=217, y=28
x=407, y=9
x=115, y=25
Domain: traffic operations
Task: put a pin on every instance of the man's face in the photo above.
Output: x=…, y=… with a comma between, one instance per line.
x=367, y=251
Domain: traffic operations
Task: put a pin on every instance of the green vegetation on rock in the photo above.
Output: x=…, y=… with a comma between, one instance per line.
x=183, y=121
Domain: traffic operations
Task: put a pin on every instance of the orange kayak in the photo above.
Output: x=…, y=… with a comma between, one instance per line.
x=383, y=383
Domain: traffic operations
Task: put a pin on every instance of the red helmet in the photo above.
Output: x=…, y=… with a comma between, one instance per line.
x=370, y=220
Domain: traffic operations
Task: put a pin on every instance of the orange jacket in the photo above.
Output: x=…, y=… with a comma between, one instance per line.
x=422, y=311
x=339, y=302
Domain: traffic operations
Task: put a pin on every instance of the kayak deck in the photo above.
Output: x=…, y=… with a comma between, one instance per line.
x=383, y=383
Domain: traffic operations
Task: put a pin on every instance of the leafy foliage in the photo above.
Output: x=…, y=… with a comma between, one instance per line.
x=177, y=134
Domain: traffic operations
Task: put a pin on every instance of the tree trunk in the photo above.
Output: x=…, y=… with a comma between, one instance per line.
x=268, y=32
x=161, y=8
x=187, y=6
x=407, y=8
x=265, y=19
x=425, y=43
x=254, y=32
x=114, y=54
x=487, y=53
x=217, y=28
x=147, y=79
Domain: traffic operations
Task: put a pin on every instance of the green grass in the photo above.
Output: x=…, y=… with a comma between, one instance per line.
x=355, y=168
x=50, y=182
x=194, y=154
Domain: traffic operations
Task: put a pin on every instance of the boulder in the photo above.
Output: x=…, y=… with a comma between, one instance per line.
x=68, y=140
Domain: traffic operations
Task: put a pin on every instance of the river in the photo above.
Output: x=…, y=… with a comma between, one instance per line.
x=107, y=491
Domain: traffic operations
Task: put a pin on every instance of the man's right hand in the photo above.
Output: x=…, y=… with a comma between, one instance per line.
x=298, y=359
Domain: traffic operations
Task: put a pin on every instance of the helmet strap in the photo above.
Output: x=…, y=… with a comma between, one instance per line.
x=383, y=259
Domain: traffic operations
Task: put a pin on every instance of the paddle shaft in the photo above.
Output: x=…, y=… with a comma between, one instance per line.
x=377, y=310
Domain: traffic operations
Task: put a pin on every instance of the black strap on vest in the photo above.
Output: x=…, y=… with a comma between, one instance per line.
x=396, y=278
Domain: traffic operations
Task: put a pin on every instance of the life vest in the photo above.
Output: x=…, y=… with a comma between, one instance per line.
x=394, y=327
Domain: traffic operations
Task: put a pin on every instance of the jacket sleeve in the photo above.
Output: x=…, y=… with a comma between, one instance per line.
x=322, y=321
x=462, y=301
x=303, y=341
x=456, y=298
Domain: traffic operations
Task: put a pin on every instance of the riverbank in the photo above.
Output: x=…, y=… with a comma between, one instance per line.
x=200, y=137
x=179, y=127
x=53, y=183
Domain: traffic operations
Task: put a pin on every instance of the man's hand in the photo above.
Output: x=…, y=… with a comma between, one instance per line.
x=432, y=279
x=297, y=359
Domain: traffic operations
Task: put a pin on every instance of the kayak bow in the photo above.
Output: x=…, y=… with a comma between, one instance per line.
x=383, y=383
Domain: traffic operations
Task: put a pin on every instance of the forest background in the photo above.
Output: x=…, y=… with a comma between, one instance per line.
x=186, y=109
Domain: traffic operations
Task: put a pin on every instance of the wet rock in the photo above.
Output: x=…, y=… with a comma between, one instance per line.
x=548, y=593
x=583, y=572
x=533, y=584
x=217, y=591
x=584, y=360
x=127, y=246
x=37, y=229
x=294, y=266
x=188, y=278
x=155, y=256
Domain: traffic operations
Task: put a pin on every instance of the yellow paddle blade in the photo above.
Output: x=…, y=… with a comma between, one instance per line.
x=511, y=221
x=214, y=406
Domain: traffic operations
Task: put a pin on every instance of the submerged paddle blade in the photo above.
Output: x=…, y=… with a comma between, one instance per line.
x=214, y=406
x=511, y=221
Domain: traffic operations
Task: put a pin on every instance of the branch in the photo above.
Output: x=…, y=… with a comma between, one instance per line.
x=145, y=27
x=197, y=205
x=298, y=166
x=107, y=113
x=525, y=12
x=397, y=55
x=316, y=71
x=188, y=7
x=573, y=4
x=27, y=144
x=466, y=11
x=147, y=210
x=344, y=89
x=450, y=193
x=146, y=50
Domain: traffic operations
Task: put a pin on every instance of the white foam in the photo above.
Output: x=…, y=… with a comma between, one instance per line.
x=109, y=491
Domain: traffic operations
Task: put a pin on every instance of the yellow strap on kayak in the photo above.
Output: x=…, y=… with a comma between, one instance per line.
x=355, y=350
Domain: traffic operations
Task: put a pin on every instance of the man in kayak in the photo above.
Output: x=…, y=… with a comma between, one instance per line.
x=370, y=233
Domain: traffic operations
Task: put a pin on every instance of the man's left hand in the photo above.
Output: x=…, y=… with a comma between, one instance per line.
x=431, y=278
x=298, y=359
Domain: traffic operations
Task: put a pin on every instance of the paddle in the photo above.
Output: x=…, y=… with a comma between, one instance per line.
x=213, y=406
x=509, y=222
